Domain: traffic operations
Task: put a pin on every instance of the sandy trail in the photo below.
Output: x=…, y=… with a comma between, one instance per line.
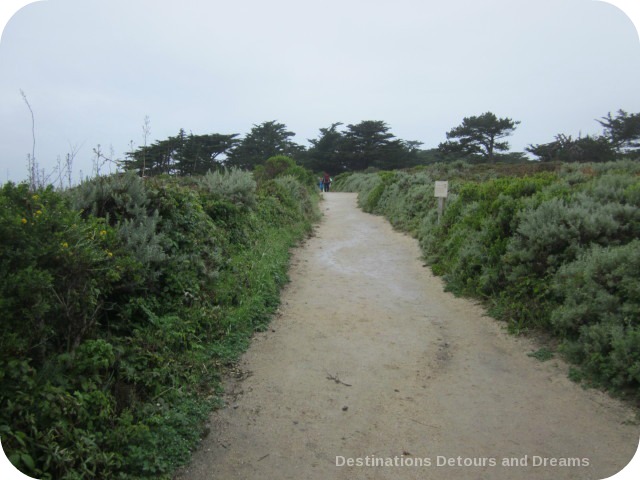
x=370, y=361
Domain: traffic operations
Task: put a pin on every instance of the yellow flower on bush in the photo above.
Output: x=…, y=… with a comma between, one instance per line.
x=103, y=233
x=64, y=245
x=38, y=212
x=24, y=220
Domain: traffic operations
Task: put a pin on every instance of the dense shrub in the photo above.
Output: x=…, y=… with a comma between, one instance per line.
x=56, y=269
x=486, y=220
x=123, y=202
x=234, y=185
x=362, y=183
x=306, y=203
x=122, y=299
x=556, y=231
x=283, y=166
x=599, y=311
x=547, y=246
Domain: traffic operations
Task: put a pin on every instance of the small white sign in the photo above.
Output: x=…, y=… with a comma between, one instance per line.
x=442, y=189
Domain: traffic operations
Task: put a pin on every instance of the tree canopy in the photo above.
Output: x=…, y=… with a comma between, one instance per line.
x=181, y=155
x=269, y=139
x=326, y=150
x=566, y=149
x=621, y=136
x=480, y=135
x=369, y=143
x=623, y=130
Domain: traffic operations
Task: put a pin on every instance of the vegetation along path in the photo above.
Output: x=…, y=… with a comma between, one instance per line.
x=370, y=362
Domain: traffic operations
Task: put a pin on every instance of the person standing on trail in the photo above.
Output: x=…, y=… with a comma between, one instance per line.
x=321, y=184
x=326, y=181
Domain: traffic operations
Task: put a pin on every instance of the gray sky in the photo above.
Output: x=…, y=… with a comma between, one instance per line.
x=92, y=70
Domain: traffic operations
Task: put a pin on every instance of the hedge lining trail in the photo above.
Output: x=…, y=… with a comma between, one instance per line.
x=122, y=301
x=548, y=247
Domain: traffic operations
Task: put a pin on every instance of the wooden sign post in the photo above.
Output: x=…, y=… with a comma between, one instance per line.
x=441, y=192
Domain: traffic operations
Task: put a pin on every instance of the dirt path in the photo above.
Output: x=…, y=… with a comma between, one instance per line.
x=370, y=361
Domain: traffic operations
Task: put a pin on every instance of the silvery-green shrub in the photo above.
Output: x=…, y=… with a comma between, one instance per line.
x=234, y=185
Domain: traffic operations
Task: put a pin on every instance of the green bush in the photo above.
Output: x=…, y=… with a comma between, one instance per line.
x=556, y=231
x=469, y=245
x=599, y=311
x=306, y=202
x=192, y=243
x=362, y=183
x=57, y=272
x=123, y=202
x=122, y=299
x=234, y=185
x=547, y=246
x=283, y=166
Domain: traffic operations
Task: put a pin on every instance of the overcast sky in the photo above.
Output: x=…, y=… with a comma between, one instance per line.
x=92, y=70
